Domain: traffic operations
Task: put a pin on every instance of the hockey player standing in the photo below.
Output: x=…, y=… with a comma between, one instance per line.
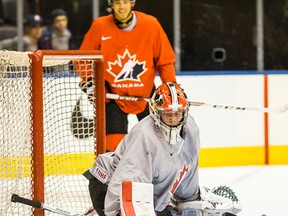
x=134, y=47
x=162, y=149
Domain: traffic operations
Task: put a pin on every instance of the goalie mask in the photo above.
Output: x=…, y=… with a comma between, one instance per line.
x=169, y=108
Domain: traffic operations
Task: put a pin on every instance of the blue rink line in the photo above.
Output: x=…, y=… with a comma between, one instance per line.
x=197, y=73
x=230, y=72
x=45, y=75
x=179, y=73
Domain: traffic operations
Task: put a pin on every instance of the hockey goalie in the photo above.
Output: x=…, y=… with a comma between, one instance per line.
x=161, y=150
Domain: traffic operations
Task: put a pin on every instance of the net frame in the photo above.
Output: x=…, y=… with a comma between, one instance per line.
x=37, y=108
x=33, y=64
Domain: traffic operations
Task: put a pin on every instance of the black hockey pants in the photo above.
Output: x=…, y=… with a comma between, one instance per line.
x=97, y=192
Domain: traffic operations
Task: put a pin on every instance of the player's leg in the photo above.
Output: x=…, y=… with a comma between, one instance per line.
x=97, y=192
x=116, y=125
x=143, y=114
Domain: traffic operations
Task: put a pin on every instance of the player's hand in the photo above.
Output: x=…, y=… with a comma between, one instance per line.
x=88, y=89
x=107, y=100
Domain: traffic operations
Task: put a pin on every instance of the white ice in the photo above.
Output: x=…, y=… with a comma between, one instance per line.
x=262, y=190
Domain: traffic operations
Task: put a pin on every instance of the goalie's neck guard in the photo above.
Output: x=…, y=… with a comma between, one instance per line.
x=173, y=141
x=171, y=134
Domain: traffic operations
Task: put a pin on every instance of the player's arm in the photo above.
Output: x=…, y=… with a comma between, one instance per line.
x=91, y=41
x=164, y=55
x=167, y=73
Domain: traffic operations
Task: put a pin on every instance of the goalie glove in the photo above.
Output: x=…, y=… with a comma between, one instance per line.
x=88, y=88
x=222, y=198
x=218, y=201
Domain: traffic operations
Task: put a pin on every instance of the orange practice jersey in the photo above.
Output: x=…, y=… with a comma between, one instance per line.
x=132, y=58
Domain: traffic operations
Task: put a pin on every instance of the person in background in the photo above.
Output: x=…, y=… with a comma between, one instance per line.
x=32, y=32
x=57, y=36
x=134, y=46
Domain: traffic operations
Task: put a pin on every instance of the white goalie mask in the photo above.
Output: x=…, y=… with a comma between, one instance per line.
x=169, y=108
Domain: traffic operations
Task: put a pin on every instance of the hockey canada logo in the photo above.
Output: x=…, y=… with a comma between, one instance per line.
x=127, y=67
x=180, y=178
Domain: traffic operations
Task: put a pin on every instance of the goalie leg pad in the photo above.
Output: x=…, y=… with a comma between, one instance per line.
x=137, y=199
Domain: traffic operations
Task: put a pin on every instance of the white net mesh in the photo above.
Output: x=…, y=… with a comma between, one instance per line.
x=15, y=131
x=68, y=134
x=68, y=147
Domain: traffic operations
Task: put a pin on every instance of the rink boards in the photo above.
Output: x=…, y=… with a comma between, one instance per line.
x=227, y=137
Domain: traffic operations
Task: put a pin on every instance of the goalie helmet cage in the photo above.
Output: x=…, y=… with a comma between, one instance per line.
x=39, y=95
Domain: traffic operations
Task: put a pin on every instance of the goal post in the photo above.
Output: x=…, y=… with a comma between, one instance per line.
x=49, y=128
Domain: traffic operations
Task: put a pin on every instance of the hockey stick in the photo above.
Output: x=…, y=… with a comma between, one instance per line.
x=216, y=106
x=16, y=198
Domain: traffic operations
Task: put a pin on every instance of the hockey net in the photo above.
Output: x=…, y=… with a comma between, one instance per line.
x=46, y=145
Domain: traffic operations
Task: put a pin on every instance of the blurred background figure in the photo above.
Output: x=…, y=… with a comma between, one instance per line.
x=57, y=36
x=33, y=31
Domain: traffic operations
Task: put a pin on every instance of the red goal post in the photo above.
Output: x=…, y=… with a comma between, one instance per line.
x=40, y=95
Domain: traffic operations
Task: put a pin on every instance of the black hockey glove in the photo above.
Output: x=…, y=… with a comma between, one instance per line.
x=87, y=88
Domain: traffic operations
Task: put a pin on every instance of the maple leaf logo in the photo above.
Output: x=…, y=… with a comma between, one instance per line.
x=182, y=174
x=126, y=67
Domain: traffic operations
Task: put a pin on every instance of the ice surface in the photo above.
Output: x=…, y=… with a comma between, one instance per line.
x=260, y=189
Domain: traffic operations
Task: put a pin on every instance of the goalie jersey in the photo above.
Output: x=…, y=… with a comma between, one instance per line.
x=145, y=156
x=131, y=58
